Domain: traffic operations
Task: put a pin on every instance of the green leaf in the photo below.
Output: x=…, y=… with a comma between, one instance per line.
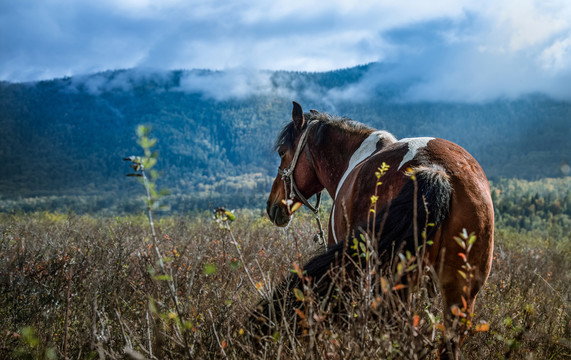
x=148, y=162
x=29, y=335
x=412, y=267
x=209, y=269
x=142, y=131
x=147, y=143
x=471, y=241
x=355, y=244
x=298, y=294
x=162, y=277
x=187, y=324
x=460, y=242
x=231, y=216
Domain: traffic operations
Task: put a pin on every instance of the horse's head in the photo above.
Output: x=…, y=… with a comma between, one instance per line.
x=297, y=178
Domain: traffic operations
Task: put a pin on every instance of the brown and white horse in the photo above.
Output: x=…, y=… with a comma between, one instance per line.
x=319, y=151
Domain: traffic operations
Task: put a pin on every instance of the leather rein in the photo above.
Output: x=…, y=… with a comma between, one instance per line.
x=288, y=178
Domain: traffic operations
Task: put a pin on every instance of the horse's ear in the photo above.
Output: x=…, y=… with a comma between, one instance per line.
x=314, y=112
x=297, y=117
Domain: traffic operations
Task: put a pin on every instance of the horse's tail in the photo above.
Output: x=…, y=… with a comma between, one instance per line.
x=404, y=215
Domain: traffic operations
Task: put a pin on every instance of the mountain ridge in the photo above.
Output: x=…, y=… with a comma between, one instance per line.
x=67, y=136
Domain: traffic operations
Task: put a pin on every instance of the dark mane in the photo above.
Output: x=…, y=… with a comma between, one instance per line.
x=325, y=123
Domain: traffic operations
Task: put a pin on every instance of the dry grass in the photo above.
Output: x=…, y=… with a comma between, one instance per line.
x=81, y=287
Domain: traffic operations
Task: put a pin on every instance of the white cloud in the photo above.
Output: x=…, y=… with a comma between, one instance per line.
x=451, y=47
x=233, y=83
x=557, y=57
x=521, y=24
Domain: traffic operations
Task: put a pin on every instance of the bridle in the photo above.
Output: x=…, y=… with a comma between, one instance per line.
x=287, y=177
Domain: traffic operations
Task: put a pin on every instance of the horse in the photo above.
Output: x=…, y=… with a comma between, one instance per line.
x=432, y=191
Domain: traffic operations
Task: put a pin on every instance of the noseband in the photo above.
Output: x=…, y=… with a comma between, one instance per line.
x=287, y=177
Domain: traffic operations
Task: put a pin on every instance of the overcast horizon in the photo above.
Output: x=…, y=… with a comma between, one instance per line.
x=470, y=50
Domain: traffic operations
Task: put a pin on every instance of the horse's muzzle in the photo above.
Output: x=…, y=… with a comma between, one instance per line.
x=278, y=215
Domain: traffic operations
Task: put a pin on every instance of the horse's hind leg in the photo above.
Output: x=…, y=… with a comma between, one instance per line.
x=459, y=284
x=457, y=305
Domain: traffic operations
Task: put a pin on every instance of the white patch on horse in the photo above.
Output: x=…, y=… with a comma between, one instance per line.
x=414, y=144
x=366, y=149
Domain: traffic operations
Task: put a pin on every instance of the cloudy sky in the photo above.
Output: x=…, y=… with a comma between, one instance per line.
x=474, y=50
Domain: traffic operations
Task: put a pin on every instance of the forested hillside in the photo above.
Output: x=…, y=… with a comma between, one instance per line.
x=68, y=136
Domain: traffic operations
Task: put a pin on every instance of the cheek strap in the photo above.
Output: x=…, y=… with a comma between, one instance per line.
x=288, y=178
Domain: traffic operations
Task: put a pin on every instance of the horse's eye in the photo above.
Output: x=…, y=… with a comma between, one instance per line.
x=281, y=153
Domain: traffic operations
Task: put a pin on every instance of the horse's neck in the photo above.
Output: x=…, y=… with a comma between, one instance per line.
x=344, y=152
x=335, y=158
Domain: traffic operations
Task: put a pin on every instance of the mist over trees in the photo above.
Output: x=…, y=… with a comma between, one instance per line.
x=216, y=130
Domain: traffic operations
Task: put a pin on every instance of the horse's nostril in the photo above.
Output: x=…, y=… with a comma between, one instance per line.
x=272, y=212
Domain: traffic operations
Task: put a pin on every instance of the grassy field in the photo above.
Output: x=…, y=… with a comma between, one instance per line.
x=82, y=287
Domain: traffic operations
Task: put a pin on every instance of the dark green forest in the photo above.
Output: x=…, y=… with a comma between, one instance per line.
x=64, y=139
